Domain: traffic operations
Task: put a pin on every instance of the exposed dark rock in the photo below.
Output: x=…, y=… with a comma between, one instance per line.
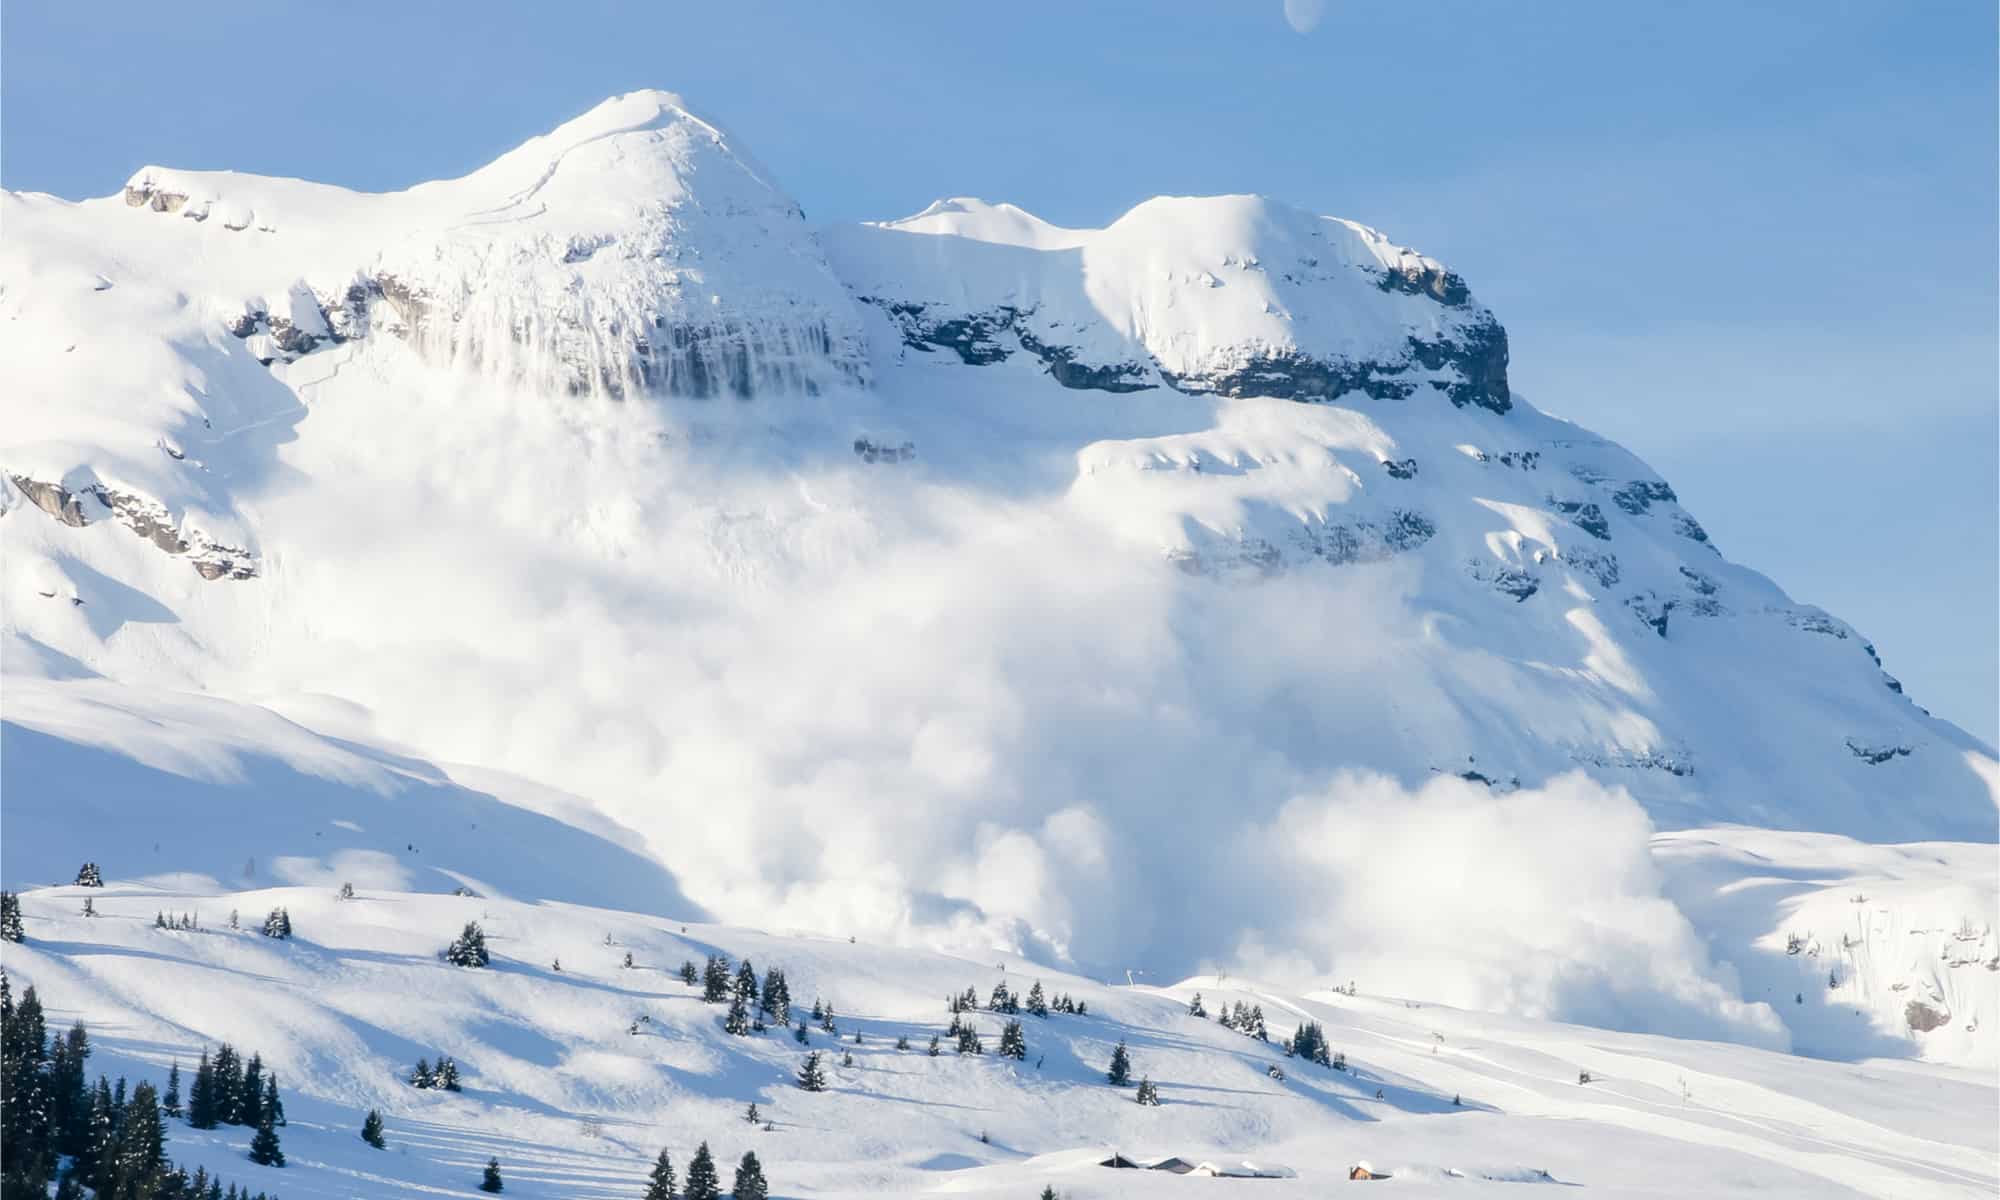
x=1679, y=763
x=1585, y=516
x=1441, y=285
x=1651, y=609
x=1511, y=581
x=1063, y=367
x=1922, y=1018
x=145, y=517
x=1699, y=583
x=1811, y=620
x=1639, y=495
x=1875, y=754
x=1691, y=529
x=1400, y=468
x=1601, y=565
x=1522, y=460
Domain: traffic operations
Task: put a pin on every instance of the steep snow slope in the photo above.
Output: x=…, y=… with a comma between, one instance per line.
x=960, y=581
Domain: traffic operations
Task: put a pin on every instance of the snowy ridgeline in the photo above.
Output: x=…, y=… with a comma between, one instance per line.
x=591, y=1040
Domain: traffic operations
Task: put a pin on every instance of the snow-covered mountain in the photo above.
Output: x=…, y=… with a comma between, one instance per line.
x=1191, y=593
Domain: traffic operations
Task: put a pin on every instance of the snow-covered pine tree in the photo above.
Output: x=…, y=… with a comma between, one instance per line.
x=89, y=876
x=171, y=1105
x=968, y=1041
x=903, y=1042
x=776, y=999
x=812, y=1074
x=746, y=984
x=715, y=980
x=423, y=1076
x=1037, y=1003
x=469, y=948
x=228, y=1085
x=1149, y=1096
x=702, y=1181
x=1120, y=1073
x=1194, y=1007
x=628, y=960
x=371, y=1130
x=1256, y=1029
x=1082, y=1009
x=826, y=1021
x=687, y=972
x=264, y=1149
x=934, y=1049
x=1013, y=1044
x=89, y=907
x=447, y=1074
x=489, y=1180
x=737, y=1023
x=799, y=1033
x=749, y=1183
x=1002, y=1000
x=660, y=1184
x=1049, y=1192
x=11, y=929
x=278, y=924
x=347, y=891
x=751, y=1115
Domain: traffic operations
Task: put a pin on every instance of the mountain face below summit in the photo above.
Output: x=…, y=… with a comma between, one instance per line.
x=954, y=578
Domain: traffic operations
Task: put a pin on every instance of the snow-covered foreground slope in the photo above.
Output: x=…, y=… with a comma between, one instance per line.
x=1191, y=594
x=575, y=1105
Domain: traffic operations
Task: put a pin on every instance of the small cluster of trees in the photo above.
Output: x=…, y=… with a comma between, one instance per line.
x=1308, y=1041
x=112, y=1138
x=228, y=1090
x=179, y=922
x=1247, y=1020
x=279, y=924
x=443, y=1077
x=1003, y=1000
x=88, y=875
x=704, y=1182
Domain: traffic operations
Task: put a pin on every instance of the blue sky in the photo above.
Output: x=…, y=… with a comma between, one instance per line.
x=1753, y=241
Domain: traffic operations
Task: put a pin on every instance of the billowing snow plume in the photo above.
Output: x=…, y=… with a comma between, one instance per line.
x=1115, y=594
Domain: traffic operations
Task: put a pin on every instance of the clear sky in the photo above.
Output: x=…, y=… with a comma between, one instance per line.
x=1753, y=241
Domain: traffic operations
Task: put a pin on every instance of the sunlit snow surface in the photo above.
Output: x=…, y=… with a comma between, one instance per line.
x=785, y=565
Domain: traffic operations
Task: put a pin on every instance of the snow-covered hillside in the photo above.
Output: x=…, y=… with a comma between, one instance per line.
x=1188, y=595
x=576, y=1070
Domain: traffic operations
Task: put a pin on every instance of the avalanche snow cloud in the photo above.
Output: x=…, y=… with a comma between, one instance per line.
x=1193, y=591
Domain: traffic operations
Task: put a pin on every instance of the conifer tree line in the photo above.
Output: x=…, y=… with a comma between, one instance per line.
x=1308, y=1041
x=704, y=1181
x=1246, y=1019
x=112, y=1138
x=1003, y=1000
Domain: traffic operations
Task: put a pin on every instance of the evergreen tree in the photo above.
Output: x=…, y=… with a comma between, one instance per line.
x=89, y=876
x=447, y=1074
x=250, y=1102
x=1149, y=1096
x=934, y=1049
x=25, y=1087
x=687, y=973
x=737, y=1023
x=1082, y=1009
x=139, y=1160
x=1120, y=1073
x=10, y=919
x=89, y=907
x=746, y=985
x=423, y=1076
x=371, y=1130
x=1049, y=1192
x=490, y=1180
x=469, y=948
x=66, y=1097
x=968, y=1041
x=202, y=1112
x=775, y=1001
x=274, y=1108
x=800, y=1035
x=264, y=1147
x=1256, y=1024
x=278, y=924
x=171, y=1105
x=1194, y=1007
x=1013, y=1044
x=751, y=1114
x=1002, y=1000
x=749, y=1183
x=826, y=1021
x=660, y=1185
x=1037, y=1003
x=702, y=1181
x=715, y=981
x=228, y=1085
x=812, y=1075
x=628, y=960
